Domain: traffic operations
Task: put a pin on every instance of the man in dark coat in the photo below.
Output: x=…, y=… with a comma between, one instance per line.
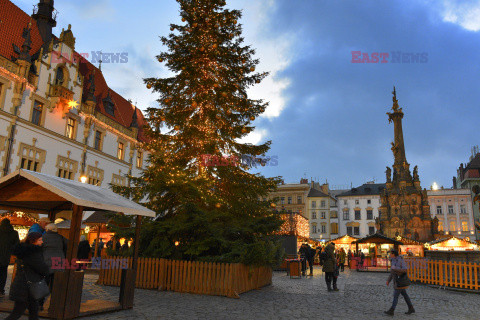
x=329, y=267
x=8, y=240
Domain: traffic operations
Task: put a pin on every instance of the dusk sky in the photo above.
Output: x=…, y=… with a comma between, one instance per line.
x=327, y=116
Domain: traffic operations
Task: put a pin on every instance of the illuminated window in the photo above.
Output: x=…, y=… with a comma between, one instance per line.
x=334, y=227
x=66, y=168
x=358, y=215
x=323, y=214
x=450, y=209
x=314, y=215
x=440, y=225
x=464, y=226
x=139, y=159
x=37, y=113
x=71, y=126
x=31, y=158
x=121, y=151
x=289, y=200
x=98, y=140
x=314, y=204
x=95, y=175
x=369, y=214
x=452, y=226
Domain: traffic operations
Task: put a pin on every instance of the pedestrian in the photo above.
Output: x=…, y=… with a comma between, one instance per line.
x=362, y=258
x=341, y=259
x=83, y=248
x=101, y=245
x=31, y=267
x=399, y=276
x=8, y=240
x=303, y=252
x=125, y=246
x=329, y=267
x=39, y=226
x=310, y=258
x=350, y=257
x=54, y=248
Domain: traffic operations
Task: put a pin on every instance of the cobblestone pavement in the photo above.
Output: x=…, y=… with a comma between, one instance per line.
x=361, y=296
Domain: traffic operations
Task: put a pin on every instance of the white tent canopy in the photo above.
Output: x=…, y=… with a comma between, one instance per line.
x=85, y=195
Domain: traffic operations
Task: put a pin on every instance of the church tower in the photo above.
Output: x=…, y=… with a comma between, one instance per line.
x=404, y=207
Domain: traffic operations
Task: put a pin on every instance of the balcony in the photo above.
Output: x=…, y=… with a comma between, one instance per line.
x=58, y=91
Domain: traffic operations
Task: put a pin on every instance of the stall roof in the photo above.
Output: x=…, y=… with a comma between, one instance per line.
x=65, y=224
x=98, y=217
x=33, y=190
x=344, y=239
x=437, y=241
x=378, y=238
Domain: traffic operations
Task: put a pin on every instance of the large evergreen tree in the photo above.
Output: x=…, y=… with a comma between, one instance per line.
x=210, y=209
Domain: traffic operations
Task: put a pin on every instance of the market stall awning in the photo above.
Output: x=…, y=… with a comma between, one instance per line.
x=98, y=217
x=451, y=242
x=39, y=192
x=346, y=239
x=378, y=238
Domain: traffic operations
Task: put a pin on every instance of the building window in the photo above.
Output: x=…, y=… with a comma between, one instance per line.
x=439, y=209
x=450, y=209
x=98, y=140
x=463, y=209
x=357, y=201
x=333, y=214
x=322, y=204
x=95, y=175
x=31, y=158
x=139, y=159
x=37, y=113
x=324, y=228
x=118, y=180
x=289, y=200
x=59, y=77
x=121, y=151
x=346, y=215
x=369, y=201
x=356, y=231
x=464, y=226
x=314, y=204
x=452, y=226
x=358, y=216
x=314, y=215
x=440, y=225
x=369, y=214
x=371, y=230
x=71, y=128
x=314, y=228
x=282, y=200
x=334, y=227
x=66, y=168
x=344, y=202
x=299, y=200
x=323, y=214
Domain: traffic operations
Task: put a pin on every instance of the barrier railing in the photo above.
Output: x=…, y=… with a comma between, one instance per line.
x=455, y=274
x=223, y=279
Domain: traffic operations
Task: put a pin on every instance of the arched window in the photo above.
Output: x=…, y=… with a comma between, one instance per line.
x=59, y=76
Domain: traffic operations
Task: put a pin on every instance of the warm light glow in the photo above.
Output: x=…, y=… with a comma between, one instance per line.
x=177, y=243
x=434, y=186
x=83, y=179
x=72, y=104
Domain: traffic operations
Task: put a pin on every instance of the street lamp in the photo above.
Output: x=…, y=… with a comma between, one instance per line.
x=83, y=179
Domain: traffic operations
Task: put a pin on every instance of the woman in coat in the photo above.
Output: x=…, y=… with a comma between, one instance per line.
x=8, y=240
x=399, y=267
x=29, y=254
x=329, y=267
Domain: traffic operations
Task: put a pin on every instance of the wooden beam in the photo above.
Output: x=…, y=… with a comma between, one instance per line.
x=74, y=234
x=23, y=209
x=136, y=243
x=98, y=239
x=25, y=190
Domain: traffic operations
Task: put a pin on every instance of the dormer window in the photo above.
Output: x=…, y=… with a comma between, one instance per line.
x=109, y=105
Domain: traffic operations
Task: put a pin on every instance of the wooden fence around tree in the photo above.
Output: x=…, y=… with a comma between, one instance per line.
x=456, y=274
x=223, y=279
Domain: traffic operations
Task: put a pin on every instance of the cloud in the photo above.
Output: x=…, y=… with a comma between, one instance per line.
x=464, y=13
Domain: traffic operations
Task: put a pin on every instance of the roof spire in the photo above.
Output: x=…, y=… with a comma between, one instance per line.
x=134, y=123
x=394, y=99
x=100, y=65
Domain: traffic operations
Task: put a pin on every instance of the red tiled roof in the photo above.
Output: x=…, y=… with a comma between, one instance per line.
x=13, y=20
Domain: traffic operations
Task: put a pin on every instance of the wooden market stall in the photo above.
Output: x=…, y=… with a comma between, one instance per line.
x=20, y=221
x=38, y=193
x=411, y=248
x=98, y=222
x=64, y=228
x=344, y=242
x=378, y=246
x=451, y=243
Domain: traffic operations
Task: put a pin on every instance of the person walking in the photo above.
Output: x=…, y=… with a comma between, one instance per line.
x=54, y=247
x=39, y=226
x=341, y=259
x=83, y=248
x=31, y=267
x=303, y=252
x=329, y=266
x=398, y=269
x=310, y=258
x=8, y=240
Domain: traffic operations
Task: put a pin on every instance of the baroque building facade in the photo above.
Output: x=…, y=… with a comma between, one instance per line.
x=404, y=209
x=57, y=114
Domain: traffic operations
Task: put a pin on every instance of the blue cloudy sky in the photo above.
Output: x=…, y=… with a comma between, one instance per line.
x=327, y=115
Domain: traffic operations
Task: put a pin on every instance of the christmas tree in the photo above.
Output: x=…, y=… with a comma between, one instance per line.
x=211, y=206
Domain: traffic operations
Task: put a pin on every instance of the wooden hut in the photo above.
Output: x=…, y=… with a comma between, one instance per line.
x=451, y=243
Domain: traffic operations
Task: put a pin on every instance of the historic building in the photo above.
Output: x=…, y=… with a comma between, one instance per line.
x=322, y=213
x=454, y=211
x=358, y=209
x=468, y=177
x=404, y=209
x=57, y=114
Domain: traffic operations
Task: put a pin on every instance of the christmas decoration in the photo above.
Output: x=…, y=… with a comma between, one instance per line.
x=214, y=211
